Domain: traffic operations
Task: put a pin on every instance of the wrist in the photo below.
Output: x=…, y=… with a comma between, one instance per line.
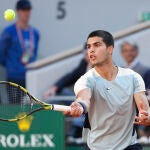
x=83, y=106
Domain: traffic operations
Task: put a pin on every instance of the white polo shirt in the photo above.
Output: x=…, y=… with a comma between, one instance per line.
x=112, y=108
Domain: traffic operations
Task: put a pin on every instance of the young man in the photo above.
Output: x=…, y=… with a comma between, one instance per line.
x=19, y=44
x=110, y=95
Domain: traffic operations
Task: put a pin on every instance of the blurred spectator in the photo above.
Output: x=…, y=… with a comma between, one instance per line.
x=61, y=88
x=19, y=44
x=130, y=53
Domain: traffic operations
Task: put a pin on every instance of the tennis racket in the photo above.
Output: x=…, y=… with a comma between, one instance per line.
x=17, y=103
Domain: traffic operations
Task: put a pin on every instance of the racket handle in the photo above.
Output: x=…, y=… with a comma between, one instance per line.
x=61, y=108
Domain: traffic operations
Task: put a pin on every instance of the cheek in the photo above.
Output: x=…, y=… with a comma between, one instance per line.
x=27, y=15
x=126, y=54
x=88, y=53
x=100, y=51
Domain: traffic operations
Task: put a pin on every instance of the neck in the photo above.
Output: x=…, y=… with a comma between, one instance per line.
x=22, y=25
x=107, y=71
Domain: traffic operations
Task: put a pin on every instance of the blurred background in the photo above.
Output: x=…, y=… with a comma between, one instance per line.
x=60, y=31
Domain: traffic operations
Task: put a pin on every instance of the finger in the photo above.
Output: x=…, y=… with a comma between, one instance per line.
x=138, y=123
x=144, y=113
x=74, y=104
x=142, y=117
x=76, y=112
x=67, y=112
x=74, y=107
x=141, y=123
x=76, y=115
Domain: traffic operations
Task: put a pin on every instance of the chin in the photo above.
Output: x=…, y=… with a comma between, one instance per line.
x=93, y=64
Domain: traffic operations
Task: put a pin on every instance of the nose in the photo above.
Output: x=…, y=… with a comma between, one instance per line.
x=92, y=50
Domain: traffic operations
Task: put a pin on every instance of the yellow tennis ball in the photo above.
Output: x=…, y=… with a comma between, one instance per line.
x=9, y=15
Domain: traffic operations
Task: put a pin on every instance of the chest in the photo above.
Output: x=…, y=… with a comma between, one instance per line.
x=117, y=93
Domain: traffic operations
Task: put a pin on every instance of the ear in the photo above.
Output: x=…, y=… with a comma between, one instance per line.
x=110, y=49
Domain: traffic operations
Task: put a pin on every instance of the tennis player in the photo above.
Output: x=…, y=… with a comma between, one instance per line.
x=109, y=95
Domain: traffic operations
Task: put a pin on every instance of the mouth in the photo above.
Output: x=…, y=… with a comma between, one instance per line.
x=92, y=57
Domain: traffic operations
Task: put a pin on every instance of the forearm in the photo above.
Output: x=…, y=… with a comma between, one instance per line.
x=84, y=96
x=144, y=111
x=142, y=102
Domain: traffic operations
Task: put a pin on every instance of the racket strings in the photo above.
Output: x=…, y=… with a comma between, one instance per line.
x=13, y=102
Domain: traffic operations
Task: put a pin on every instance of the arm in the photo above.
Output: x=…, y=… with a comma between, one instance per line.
x=81, y=104
x=141, y=101
x=83, y=92
x=143, y=107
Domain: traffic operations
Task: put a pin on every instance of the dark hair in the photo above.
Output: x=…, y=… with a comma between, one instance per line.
x=23, y=5
x=106, y=36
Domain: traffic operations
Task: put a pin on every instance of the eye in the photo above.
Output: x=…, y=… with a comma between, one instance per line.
x=88, y=46
x=97, y=44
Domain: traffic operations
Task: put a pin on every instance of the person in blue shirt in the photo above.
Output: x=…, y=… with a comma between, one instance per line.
x=19, y=44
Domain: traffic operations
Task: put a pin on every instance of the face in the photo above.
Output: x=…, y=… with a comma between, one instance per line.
x=98, y=52
x=129, y=53
x=24, y=15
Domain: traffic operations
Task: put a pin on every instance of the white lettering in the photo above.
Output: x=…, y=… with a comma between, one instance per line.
x=12, y=140
x=3, y=140
x=36, y=140
x=22, y=141
x=48, y=140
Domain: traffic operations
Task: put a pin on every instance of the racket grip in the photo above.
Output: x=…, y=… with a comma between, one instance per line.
x=61, y=108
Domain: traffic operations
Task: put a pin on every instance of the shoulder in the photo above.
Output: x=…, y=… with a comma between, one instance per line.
x=126, y=72
x=9, y=28
x=85, y=81
x=8, y=32
x=89, y=75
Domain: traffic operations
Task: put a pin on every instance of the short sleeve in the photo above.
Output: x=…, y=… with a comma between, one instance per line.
x=82, y=83
x=139, y=84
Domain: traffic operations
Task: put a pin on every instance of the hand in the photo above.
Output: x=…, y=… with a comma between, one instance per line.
x=50, y=92
x=143, y=119
x=76, y=110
